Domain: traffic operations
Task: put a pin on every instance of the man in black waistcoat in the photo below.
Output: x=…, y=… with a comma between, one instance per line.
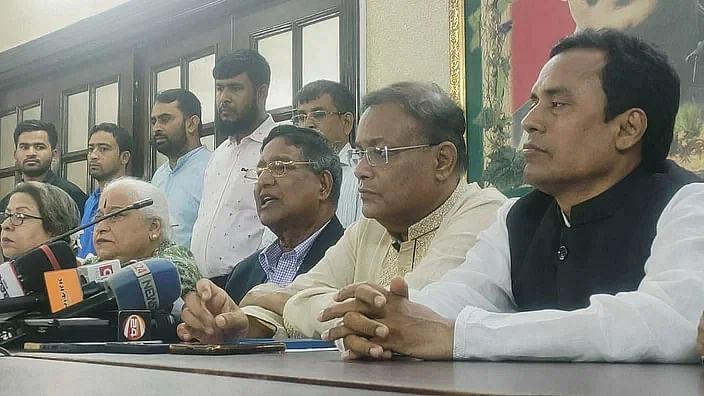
x=298, y=180
x=604, y=261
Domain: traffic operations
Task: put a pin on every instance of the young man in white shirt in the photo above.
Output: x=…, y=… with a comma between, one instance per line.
x=603, y=262
x=227, y=228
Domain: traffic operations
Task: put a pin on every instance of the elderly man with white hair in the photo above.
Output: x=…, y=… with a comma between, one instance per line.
x=141, y=233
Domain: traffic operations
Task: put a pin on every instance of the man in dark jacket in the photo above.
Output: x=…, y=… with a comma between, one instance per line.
x=297, y=187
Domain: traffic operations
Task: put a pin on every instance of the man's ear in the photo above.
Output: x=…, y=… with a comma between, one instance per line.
x=348, y=123
x=192, y=123
x=125, y=158
x=262, y=94
x=445, y=160
x=632, y=125
x=326, y=184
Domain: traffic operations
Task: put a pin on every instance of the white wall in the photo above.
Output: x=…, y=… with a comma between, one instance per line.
x=26, y=20
x=407, y=40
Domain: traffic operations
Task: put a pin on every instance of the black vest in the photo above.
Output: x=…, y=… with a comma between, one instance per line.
x=603, y=252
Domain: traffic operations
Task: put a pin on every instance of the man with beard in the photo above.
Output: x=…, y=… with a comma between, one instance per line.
x=176, y=129
x=35, y=149
x=227, y=228
x=109, y=151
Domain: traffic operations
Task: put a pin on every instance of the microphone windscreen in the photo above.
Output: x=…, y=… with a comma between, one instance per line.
x=148, y=284
x=32, y=266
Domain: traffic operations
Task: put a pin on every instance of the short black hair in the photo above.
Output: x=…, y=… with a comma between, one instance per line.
x=243, y=61
x=37, y=125
x=636, y=75
x=314, y=147
x=122, y=137
x=187, y=103
x=341, y=96
x=440, y=118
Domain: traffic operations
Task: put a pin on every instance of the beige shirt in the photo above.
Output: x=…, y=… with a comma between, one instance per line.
x=367, y=252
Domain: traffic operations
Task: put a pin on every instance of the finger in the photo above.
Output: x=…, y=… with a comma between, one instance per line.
x=399, y=286
x=360, y=347
x=356, y=323
x=371, y=295
x=233, y=324
x=194, y=302
x=188, y=334
x=220, y=301
x=349, y=290
x=204, y=289
x=351, y=305
x=195, y=323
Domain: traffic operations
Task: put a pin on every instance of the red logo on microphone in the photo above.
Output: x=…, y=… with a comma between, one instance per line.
x=105, y=270
x=134, y=328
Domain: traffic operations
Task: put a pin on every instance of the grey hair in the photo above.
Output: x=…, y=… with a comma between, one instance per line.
x=139, y=189
x=57, y=209
x=439, y=117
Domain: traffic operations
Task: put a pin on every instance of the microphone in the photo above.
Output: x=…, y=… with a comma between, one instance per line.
x=145, y=285
x=10, y=284
x=98, y=272
x=51, y=256
x=137, y=205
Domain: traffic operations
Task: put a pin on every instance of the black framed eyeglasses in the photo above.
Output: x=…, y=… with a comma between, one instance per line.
x=275, y=169
x=378, y=155
x=16, y=219
x=317, y=116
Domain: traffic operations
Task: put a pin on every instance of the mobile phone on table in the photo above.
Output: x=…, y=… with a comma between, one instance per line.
x=226, y=349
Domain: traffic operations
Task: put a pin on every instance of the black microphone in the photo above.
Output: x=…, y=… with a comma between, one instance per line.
x=52, y=256
x=137, y=205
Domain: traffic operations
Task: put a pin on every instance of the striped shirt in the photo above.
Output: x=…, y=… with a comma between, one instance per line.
x=281, y=267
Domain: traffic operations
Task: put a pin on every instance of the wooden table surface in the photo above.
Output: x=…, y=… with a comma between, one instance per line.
x=325, y=369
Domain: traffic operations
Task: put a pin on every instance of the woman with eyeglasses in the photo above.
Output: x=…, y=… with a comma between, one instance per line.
x=35, y=213
x=140, y=233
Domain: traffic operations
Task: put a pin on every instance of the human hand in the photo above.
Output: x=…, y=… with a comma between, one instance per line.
x=377, y=322
x=211, y=316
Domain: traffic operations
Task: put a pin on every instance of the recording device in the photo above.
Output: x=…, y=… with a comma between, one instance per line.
x=150, y=284
x=227, y=349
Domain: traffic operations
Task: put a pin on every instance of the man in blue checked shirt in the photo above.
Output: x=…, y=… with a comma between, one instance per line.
x=176, y=131
x=297, y=186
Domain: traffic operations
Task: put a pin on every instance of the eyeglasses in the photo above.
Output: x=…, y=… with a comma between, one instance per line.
x=377, y=155
x=318, y=116
x=16, y=219
x=275, y=168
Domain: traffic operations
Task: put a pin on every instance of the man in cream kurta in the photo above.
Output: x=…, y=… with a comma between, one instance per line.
x=435, y=244
x=420, y=218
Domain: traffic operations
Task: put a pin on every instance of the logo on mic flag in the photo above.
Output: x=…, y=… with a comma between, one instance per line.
x=134, y=328
x=105, y=270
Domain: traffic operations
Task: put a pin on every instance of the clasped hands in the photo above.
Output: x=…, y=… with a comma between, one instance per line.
x=377, y=322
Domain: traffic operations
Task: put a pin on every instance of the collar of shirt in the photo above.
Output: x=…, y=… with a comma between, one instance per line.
x=344, y=157
x=182, y=160
x=258, y=135
x=49, y=177
x=432, y=221
x=269, y=258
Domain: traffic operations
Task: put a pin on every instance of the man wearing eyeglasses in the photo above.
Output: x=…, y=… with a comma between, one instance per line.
x=296, y=189
x=420, y=218
x=329, y=107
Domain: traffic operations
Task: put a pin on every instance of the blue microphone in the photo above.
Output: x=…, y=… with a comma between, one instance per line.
x=151, y=284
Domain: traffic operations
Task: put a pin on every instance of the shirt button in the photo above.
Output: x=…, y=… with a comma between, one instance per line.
x=562, y=253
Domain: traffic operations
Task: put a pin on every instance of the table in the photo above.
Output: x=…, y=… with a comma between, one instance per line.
x=319, y=370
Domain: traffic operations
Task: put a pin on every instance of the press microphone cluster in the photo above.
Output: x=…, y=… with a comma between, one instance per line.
x=22, y=280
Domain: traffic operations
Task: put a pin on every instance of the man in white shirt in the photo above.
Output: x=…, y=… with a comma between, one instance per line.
x=603, y=262
x=227, y=228
x=329, y=106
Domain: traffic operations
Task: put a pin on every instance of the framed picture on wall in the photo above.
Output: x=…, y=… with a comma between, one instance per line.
x=506, y=42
